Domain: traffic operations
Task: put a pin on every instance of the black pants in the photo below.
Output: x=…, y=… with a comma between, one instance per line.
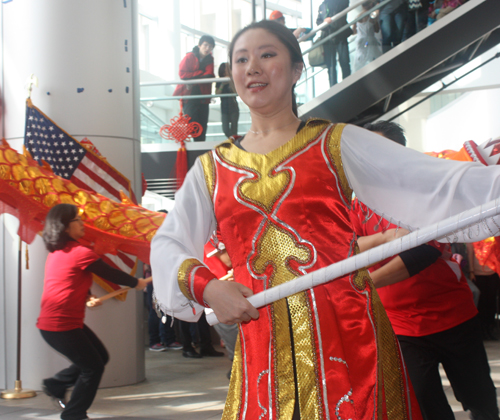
x=203, y=331
x=230, y=122
x=198, y=111
x=489, y=286
x=461, y=352
x=88, y=357
x=332, y=49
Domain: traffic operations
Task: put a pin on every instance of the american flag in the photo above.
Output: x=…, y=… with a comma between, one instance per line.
x=69, y=159
x=84, y=168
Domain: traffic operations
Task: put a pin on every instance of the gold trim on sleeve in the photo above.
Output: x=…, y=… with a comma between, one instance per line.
x=183, y=276
x=333, y=148
x=208, y=165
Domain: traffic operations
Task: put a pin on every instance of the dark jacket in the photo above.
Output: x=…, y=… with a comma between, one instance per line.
x=227, y=105
x=330, y=8
x=192, y=67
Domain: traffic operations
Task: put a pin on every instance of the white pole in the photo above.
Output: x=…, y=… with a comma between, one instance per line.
x=469, y=219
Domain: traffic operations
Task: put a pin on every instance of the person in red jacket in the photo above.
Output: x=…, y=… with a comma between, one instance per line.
x=68, y=277
x=197, y=64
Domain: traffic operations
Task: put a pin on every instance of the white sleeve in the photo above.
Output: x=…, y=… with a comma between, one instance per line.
x=183, y=234
x=414, y=190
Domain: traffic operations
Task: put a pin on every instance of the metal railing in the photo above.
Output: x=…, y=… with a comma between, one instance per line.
x=349, y=24
x=307, y=74
x=334, y=18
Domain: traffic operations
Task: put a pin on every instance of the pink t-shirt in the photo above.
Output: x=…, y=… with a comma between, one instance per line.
x=66, y=286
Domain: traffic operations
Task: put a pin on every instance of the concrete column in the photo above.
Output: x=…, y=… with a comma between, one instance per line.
x=84, y=55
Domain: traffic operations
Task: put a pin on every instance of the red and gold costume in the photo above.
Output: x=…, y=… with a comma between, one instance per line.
x=282, y=215
x=329, y=351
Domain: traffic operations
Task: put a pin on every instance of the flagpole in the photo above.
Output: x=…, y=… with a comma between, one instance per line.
x=18, y=392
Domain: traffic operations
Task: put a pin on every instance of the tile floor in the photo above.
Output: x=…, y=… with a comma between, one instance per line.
x=176, y=388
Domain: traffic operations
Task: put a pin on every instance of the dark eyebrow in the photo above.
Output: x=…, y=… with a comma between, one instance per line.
x=260, y=48
x=266, y=46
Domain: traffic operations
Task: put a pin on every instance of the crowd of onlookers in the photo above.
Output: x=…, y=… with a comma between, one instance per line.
x=378, y=29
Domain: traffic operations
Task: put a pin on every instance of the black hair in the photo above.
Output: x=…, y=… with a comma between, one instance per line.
x=207, y=38
x=57, y=221
x=390, y=130
x=284, y=35
x=367, y=5
x=222, y=69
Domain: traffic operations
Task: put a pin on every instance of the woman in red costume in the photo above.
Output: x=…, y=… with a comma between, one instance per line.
x=280, y=197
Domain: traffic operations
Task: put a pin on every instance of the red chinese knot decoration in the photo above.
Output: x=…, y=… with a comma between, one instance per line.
x=179, y=130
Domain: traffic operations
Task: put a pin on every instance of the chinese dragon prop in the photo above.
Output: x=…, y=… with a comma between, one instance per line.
x=28, y=191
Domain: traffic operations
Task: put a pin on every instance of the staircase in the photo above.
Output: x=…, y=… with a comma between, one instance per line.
x=412, y=66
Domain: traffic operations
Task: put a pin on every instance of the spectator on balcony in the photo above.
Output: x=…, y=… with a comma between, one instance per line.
x=369, y=38
x=277, y=16
x=197, y=64
x=229, y=110
x=447, y=7
x=418, y=17
x=338, y=44
x=393, y=18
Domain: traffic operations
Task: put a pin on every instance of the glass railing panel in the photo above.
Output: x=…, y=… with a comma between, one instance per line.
x=159, y=106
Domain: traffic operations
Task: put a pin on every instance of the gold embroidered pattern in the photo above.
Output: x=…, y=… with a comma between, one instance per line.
x=265, y=194
x=207, y=162
x=284, y=382
x=284, y=248
x=234, y=398
x=310, y=401
x=333, y=148
x=183, y=275
x=279, y=247
x=389, y=363
x=390, y=378
x=361, y=277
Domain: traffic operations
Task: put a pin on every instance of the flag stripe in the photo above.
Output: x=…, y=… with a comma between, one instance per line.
x=79, y=183
x=126, y=259
x=91, y=164
x=116, y=262
x=109, y=171
x=95, y=182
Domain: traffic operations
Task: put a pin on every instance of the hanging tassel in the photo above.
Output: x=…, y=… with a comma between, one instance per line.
x=375, y=228
x=181, y=165
x=27, y=258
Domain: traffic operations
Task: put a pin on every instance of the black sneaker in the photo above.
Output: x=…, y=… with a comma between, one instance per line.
x=211, y=352
x=59, y=402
